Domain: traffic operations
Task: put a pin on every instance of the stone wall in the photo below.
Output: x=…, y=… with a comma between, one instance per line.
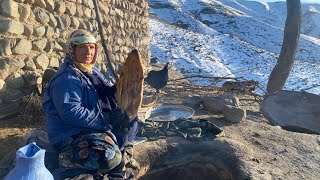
x=33, y=35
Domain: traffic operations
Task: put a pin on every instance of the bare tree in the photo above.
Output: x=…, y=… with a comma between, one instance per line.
x=281, y=71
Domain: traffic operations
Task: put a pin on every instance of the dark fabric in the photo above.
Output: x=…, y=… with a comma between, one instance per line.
x=90, y=152
x=133, y=130
x=119, y=120
x=106, y=93
x=124, y=136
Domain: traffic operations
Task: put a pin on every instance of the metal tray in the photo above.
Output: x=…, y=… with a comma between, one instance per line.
x=170, y=113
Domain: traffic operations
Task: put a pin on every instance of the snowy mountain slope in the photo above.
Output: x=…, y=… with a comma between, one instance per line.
x=310, y=25
x=228, y=38
x=251, y=25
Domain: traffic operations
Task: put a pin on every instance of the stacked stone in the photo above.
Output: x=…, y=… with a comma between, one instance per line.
x=33, y=35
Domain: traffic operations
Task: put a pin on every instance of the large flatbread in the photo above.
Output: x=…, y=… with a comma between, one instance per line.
x=130, y=84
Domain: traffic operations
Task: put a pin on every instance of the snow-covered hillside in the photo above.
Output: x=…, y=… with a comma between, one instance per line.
x=234, y=38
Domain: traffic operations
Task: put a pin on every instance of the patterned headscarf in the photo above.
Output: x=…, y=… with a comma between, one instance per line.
x=80, y=37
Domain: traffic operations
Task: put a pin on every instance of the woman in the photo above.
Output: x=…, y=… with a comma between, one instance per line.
x=82, y=111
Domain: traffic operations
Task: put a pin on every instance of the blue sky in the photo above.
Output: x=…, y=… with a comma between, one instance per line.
x=303, y=1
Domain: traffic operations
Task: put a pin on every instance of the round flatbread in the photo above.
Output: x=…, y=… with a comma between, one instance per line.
x=130, y=84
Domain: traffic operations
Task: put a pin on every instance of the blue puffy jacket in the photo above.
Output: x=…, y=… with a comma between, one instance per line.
x=71, y=104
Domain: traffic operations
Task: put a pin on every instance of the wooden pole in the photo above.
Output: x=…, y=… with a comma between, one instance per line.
x=109, y=64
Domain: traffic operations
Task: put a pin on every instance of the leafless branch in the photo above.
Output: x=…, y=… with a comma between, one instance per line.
x=208, y=77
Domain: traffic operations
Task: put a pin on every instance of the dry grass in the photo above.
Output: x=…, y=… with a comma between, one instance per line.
x=31, y=112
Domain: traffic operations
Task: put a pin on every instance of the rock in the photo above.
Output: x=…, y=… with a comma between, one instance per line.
x=24, y=12
x=29, y=1
x=193, y=102
x=112, y=12
x=79, y=11
x=50, y=46
x=8, y=110
x=116, y=49
x=28, y=30
x=11, y=26
x=32, y=18
x=52, y=21
x=23, y=47
x=5, y=49
x=15, y=63
x=86, y=13
x=93, y=14
x=4, y=69
x=30, y=65
x=39, y=31
x=39, y=45
x=60, y=24
x=9, y=8
x=11, y=95
x=49, y=32
x=15, y=80
x=64, y=35
x=60, y=7
x=42, y=61
x=50, y=5
x=57, y=47
x=66, y=20
x=40, y=3
x=293, y=111
x=119, y=12
x=88, y=3
x=54, y=62
x=217, y=104
x=234, y=114
x=89, y=25
x=71, y=8
x=82, y=25
x=3, y=86
x=74, y=22
x=41, y=15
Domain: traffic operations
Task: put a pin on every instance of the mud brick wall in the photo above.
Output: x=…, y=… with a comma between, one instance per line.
x=33, y=35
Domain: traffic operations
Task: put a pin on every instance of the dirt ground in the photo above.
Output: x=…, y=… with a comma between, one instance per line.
x=263, y=151
x=254, y=146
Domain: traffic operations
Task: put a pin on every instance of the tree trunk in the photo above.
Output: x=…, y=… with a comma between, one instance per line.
x=281, y=71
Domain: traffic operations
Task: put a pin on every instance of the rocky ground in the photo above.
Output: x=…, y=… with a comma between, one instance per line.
x=251, y=149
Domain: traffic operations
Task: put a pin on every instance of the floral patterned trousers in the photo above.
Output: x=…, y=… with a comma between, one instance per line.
x=90, y=152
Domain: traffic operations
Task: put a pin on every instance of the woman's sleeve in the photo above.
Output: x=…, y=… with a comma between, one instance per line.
x=67, y=96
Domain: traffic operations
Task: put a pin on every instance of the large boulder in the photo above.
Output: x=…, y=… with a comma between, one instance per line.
x=12, y=95
x=15, y=80
x=294, y=111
